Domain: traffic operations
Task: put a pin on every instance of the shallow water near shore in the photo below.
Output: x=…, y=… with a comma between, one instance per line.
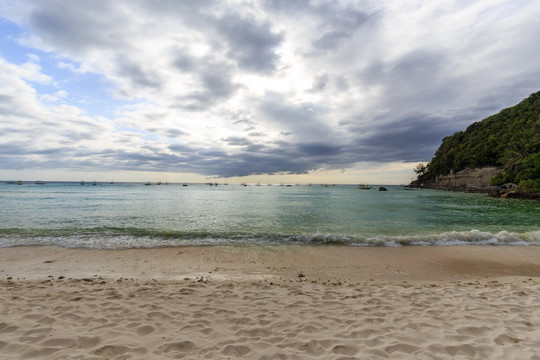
x=130, y=215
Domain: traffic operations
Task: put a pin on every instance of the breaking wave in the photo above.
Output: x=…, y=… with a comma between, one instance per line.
x=108, y=238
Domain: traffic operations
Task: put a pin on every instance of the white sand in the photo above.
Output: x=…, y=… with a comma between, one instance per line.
x=250, y=303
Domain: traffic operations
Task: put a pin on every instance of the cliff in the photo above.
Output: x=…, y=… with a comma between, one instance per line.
x=474, y=179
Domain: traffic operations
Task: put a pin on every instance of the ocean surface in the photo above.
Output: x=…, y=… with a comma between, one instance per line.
x=132, y=215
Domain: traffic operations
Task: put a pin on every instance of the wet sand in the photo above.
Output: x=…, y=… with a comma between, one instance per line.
x=285, y=302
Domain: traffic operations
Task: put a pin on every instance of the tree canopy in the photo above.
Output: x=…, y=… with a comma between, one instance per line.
x=509, y=140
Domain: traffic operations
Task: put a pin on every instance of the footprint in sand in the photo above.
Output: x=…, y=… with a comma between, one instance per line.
x=87, y=342
x=313, y=347
x=504, y=339
x=404, y=348
x=344, y=350
x=109, y=351
x=176, y=349
x=59, y=342
x=473, y=330
x=157, y=315
x=236, y=350
x=6, y=329
x=145, y=330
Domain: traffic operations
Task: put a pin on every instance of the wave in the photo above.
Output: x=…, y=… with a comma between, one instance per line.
x=115, y=238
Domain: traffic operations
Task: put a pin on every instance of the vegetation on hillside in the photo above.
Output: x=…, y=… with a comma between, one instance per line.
x=509, y=140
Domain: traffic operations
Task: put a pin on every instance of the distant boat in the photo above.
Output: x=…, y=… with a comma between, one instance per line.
x=82, y=182
x=39, y=182
x=19, y=182
x=363, y=187
x=184, y=184
x=148, y=183
x=94, y=183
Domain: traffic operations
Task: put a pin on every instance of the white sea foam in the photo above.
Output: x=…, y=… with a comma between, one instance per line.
x=453, y=238
x=148, y=240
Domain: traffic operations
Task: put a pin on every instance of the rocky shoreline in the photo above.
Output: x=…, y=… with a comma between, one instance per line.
x=476, y=181
x=492, y=191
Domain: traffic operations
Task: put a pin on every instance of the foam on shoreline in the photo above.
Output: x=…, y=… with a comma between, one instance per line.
x=145, y=239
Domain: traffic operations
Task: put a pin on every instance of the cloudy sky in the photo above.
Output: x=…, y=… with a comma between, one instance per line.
x=333, y=91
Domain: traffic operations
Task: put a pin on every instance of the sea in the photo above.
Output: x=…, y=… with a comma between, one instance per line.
x=136, y=215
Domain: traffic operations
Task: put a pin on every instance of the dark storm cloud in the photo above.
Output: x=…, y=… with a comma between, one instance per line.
x=341, y=26
x=180, y=148
x=72, y=26
x=174, y=133
x=252, y=45
x=265, y=161
x=330, y=39
x=336, y=23
x=138, y=75
x=243, y=121
x=304, y=120
x=185, y=62
x=268, y=158
x=413, y=137
x=288, y=7
x=216, y=80
x=288, y=157
x=419, y=73
x=237, y=141
x=320, y=83
x=257, y=134
x=219, y=84
x=512, y=91
x=319, y=149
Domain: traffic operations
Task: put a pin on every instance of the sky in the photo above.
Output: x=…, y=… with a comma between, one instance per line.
x=253, y=91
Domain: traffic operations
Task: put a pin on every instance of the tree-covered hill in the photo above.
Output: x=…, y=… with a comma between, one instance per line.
x=509, y=140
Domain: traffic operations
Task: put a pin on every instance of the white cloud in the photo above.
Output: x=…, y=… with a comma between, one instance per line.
x=240, y=87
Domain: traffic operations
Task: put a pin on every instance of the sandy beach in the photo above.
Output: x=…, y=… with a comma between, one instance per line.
x=283, y=302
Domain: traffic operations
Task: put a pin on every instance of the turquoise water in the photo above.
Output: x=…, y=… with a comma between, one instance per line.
x=134, y=215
